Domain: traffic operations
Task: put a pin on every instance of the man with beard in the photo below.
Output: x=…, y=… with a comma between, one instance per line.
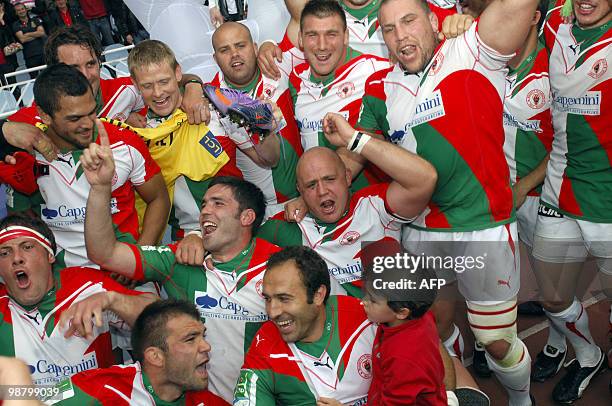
x=67, y=107
x=574, y=219
x=56, y=320
x=338, y=221
x=316, y=348
x=461, y=134
x=171, y=354
x=236, y=55
x=226, y=288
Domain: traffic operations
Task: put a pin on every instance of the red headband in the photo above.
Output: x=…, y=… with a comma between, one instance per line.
x=12, y=232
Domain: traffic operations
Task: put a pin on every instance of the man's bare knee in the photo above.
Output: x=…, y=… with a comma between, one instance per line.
x=498, y=349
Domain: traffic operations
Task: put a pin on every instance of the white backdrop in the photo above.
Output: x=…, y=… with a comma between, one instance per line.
x=185, y=26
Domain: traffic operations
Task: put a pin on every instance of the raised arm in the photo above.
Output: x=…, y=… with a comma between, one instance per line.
x=504, y=24
x=102, y=245
x=414, y=179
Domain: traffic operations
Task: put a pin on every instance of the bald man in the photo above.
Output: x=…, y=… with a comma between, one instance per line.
x=338, y=221
x=236, y=55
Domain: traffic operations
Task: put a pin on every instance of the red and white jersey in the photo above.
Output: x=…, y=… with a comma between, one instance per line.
x=341, y=93
x=364, y=30
x=460, y=133
x=292, y=56
x=33, y=334
x=337, y=365
x=278, y=183
x=123, y=384
x=527, y=117
x=119, y=98
x=579, y=174
x=63, y=190
x=116, y=99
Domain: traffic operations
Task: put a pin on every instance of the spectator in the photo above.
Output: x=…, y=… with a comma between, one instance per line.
x=65, y=14
x=96, y=14
x=130, y=29
x=8, y=46
x=226, y=10
x=31, y=33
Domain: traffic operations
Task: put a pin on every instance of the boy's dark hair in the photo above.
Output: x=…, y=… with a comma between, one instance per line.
x=149, y=330
x=57, y=81
x=76, y=35
x=313, y=269
x=248, y=196
x=417, y=300
x=35, y=223
x=322, y=9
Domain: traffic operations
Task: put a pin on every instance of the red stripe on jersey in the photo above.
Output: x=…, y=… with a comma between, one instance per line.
x=102, y=346
x=93, y=383
x=510, y=240
x=441, y=13
x=435, y=218
x=290, y=133
x=230, y=168
x=552, y=25
x=4, y=308
x=138, y=270
x=567, y=198
x=271, y=342
x=473, y=126
x=216, y=81
x=602, y=124
x=129, y=137
x=26, y=115
x=286, y=44
x=263, y=250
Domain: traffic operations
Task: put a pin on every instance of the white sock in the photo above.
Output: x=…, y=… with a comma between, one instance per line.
x=574, y=323
x=515, y=379
x=454, y=344
x=556, y=339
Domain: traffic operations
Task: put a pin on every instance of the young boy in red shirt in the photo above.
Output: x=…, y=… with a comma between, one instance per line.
x=407, y=368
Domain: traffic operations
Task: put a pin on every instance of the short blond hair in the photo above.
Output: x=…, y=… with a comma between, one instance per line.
x=150, y=52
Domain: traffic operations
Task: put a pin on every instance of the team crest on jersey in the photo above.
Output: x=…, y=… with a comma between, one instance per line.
x=349, y=238
x=115, y=179
x=346, y=89
x=259, y=287
x=119, y=117
x=599, y=68
x=268, y=90
x=364, y=366
x=536, y=99
x=437, y=64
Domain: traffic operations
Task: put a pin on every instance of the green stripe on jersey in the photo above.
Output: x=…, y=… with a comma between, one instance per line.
x=588, y=168
x=458, y=193
x=586, y=38
x=373, y=115
x=531, y=151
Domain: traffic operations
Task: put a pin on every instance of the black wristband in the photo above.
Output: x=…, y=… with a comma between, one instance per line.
x=356, y=141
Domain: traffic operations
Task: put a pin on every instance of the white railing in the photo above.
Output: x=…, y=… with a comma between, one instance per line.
x=10, y=105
